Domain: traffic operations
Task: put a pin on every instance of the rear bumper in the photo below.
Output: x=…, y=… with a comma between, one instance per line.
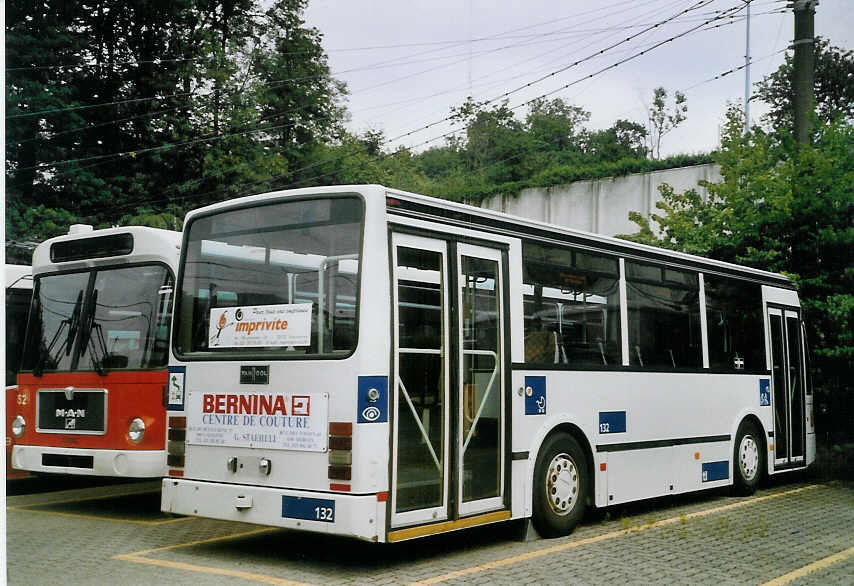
x=359, y=516
x=90, y=462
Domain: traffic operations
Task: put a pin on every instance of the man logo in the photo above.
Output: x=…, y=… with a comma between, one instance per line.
x=70, y=423
x=371, y=413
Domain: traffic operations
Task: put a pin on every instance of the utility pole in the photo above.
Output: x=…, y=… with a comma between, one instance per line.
x=803, y=67
x=747, y=73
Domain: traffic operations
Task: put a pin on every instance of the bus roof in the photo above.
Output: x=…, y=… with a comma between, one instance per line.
x=18, y=276
x=462, y=215
x=149, y=245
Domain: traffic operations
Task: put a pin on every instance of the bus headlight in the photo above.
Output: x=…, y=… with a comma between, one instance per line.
x=19, y=424
x=136, y=430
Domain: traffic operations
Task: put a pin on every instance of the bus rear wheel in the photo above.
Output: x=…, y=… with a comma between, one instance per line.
x=748, y=459
x=560, y=486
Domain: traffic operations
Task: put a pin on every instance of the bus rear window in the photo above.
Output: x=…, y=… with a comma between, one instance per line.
x=275, y=280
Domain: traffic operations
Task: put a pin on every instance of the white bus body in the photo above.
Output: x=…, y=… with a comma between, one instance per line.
x=493, y=368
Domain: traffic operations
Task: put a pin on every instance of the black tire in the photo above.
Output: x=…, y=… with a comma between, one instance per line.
x=748, y=459
x=560, y=471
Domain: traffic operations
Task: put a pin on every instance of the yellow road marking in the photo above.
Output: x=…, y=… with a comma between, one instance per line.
x=138, y=558
x=604, y=537
x=204, y=541
x=23, y=509
x=813, y=567
x=206, y=570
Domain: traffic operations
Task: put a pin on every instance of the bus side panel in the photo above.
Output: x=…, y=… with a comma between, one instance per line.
x=656, y=433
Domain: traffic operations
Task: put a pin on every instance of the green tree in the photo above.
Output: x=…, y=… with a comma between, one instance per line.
x=624, y=139
x=783, y=210
x=662, y=121
x=834, y=87
x=116, y=106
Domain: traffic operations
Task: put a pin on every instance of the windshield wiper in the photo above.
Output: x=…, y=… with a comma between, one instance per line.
x=72, y=323
x=91, y=324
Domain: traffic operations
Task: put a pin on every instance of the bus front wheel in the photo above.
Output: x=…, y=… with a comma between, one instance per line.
x=748, y=459
x=560, y=486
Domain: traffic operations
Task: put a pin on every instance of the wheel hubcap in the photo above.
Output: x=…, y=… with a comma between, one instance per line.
x=562, y=484
x=748, y=457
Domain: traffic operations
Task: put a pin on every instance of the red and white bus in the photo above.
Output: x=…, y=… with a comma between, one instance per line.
x=93, y=371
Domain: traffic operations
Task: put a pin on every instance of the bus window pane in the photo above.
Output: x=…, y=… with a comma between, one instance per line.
x=571, y=303
x=17, y=306
x=778, y=361
x=421, y=376
x=481, y=401
x=796, y=381
x=130, y=325
x=264, y=260
x=734, y=323
x=56, y=318
x=664, y=317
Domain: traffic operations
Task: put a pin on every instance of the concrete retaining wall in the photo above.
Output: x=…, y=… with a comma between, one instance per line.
x=602, y=205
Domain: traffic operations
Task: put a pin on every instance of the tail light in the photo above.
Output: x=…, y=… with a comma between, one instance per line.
x=176, y=437
x=340, y=455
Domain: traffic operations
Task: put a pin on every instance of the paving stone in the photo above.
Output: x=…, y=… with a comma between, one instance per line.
x=75, y=543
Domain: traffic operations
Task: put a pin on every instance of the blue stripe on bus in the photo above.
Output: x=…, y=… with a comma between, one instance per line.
x=715, y=471
x=612, y=422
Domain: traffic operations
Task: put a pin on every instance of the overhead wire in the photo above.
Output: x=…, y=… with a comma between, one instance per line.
x=527, y=102
x=435, y=138
x=110, y=158
x=184, y=94
x=598, y=53
x=446, y=134
x=137, y=152
x=687, y=89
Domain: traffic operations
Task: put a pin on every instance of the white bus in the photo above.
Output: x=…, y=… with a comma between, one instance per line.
x=91, y=387
x=363, y=361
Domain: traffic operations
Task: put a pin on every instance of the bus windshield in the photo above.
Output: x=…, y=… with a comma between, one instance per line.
x=104, y=319
x=278, y=279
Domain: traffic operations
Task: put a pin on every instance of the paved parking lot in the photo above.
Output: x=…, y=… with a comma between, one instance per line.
x=797, y=532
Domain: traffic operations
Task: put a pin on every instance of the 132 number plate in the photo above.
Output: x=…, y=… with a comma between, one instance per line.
x=308, y=509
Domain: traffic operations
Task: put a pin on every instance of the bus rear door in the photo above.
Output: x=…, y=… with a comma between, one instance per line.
x=789, y=384
x=449, y=438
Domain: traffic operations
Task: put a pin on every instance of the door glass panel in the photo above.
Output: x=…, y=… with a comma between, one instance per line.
x=778, y=352
x=796, y=388
x=480, y=432
x=420, y=380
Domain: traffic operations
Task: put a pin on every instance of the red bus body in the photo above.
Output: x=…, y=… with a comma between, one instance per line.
x=130, y=394
x=89, y=398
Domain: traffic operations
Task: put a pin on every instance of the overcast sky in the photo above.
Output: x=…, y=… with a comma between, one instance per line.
x=407, y=62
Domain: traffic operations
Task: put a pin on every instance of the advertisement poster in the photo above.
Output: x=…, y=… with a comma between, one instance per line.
x=260, y=325
x=277, y=421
